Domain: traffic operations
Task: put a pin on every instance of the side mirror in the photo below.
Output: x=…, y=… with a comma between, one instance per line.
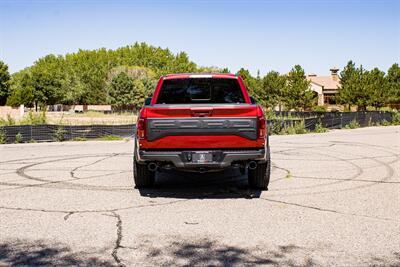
x=147, y=101
x=252, y=100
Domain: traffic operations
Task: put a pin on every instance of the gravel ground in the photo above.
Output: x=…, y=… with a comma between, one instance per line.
x=333, y=200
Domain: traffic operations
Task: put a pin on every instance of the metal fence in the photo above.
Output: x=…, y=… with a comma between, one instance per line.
x=331, y=120
x=49, y=132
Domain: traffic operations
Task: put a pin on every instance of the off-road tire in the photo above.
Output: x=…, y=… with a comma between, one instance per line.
x=142, y=176
x=259, y=177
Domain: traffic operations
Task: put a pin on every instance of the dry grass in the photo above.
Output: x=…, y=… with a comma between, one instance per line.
x=91, y=117
x=67, y=118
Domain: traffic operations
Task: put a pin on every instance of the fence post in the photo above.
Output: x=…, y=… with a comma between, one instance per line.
x=341, y=121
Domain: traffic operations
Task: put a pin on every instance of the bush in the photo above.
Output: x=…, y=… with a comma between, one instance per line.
x=352, y=125
x=276, y=127
x=396, y=118
x=8, y=122
x=34, y=118
x=319, y=128
x=386, y=123
x=3, y=136
x=59, y=134
x=18, y=138
x=109, y=138
x=318, y=109
x=297, y=128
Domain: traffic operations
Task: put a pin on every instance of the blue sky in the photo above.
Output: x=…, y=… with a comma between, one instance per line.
x=257, y=35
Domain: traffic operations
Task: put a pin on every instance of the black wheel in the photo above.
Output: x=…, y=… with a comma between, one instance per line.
x=259, y=177
x=142, y=176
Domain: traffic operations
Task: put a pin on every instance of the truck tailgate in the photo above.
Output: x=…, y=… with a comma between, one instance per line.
x=201, y=126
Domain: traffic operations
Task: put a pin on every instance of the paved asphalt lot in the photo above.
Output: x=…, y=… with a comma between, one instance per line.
x=334, y=200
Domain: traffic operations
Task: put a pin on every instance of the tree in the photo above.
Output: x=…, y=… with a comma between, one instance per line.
x=47, y=79
x=4, y=83
x=129, y=86
x=377, y=88
x=355, y=87
x=298, y=93
x=252, y=84
x=273, y=90
x=393, y=83
x=121, y=91
x=21, y=89
x=347, y=85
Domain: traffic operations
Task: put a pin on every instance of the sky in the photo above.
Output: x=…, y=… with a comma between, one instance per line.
x=256, y=35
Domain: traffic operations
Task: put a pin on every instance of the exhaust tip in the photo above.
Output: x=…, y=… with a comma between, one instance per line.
x=152, y=167
x=252, y=165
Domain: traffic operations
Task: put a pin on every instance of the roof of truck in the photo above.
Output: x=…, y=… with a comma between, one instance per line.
x=200, y=75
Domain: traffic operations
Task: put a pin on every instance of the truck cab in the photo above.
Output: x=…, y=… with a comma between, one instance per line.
x=201, y=123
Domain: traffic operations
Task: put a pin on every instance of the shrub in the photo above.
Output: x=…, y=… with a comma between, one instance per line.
x=59, y=134
x=396, y=118
x=352, y=125
x=34, y=118
x=318, y=109
x=386, y=123
x=18, y=138
x=10, y=120
x=319, y=128
x=3, y=136
x=276, y=127
x=297, y=128
x=79, y=139
x=109, y=138
x=7, y=122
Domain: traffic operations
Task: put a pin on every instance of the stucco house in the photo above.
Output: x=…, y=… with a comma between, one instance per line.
x=325, y=86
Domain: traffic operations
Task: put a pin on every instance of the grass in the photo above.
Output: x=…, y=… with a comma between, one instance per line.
x=352, y=125
x=67, y=118
x=319, y=128
x=108, y=138
x=3, y=136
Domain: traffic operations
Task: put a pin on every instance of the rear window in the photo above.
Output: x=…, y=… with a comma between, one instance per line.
x=200, y=90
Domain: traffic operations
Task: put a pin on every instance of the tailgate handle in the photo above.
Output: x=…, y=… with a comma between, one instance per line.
x=201, y=112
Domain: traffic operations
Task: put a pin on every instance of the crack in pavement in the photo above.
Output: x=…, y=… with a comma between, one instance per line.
x=95, y=211
x=72, y=172
x=117, y=246
x=329, y=210
x=68, y=215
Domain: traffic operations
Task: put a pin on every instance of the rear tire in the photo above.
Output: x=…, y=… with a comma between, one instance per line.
x=142, y=176
x=259, y=178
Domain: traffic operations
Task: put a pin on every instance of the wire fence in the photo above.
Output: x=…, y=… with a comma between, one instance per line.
x=330, y=120
x=50, y=132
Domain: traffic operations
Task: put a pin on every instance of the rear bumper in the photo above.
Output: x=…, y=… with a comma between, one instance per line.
x=221, y=158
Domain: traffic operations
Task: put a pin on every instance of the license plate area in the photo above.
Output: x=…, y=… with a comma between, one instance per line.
x=202, y=157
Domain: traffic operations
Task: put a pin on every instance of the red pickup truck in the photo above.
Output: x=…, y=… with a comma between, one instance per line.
x=201, y=123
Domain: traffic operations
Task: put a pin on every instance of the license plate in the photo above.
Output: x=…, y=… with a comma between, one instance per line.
x=201, y=157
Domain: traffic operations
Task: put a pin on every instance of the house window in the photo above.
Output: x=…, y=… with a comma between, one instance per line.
x=329, y=99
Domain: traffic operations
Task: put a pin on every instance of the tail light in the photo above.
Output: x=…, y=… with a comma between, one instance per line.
x=141, y=128
x=262, y=127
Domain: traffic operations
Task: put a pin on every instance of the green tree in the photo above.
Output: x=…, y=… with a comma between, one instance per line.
x=393, y=83
x=354, y=88
x=47, y=79
x=347, y=84
x=377, y=88
x=4, y=83
x=298, y=93
x=22, y=90
x=273, y=90
x=129, y=86
x=121, y=91
x=252, y=84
